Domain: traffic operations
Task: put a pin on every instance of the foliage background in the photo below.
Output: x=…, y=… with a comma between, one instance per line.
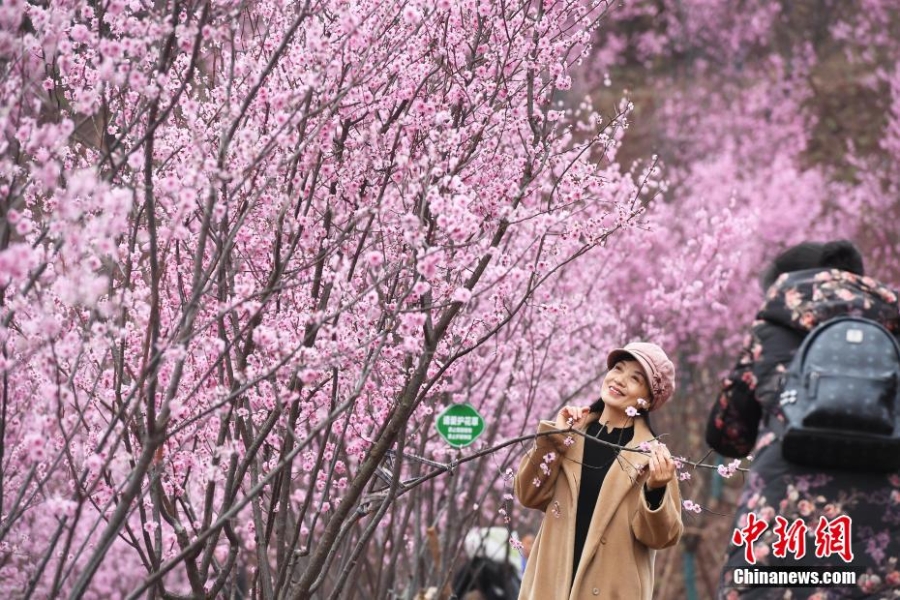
x=777, y=123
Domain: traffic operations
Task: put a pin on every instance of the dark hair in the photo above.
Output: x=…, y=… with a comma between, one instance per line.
x=494, y=580
x=838, y=254
x=843, y=255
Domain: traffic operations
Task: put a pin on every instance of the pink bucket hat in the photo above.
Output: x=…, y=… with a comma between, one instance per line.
x=657, y=367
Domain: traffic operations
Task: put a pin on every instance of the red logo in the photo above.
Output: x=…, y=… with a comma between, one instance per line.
x=747, y=535
x=832, y=537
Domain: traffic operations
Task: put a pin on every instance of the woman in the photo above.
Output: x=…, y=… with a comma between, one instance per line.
x=606, y=510
x=805, y=285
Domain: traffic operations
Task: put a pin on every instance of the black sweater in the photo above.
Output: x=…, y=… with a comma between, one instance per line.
x=594, y=467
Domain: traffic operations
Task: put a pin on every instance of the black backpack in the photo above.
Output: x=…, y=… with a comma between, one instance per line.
x=841, y=398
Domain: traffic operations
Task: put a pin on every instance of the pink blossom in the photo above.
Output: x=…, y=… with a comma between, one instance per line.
x=35, y=447
x=374, y=259
x=461, y=295
x=411, y=14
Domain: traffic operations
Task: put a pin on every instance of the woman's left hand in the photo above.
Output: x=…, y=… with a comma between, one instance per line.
x=662, y=467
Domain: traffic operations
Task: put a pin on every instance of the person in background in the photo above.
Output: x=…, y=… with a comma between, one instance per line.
x=492, y=569
x=607, y=509
x=527, y=542
x=805, y=285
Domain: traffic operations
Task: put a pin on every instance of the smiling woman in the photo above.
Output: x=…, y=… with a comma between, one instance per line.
x=623, y=392
x=604, y=499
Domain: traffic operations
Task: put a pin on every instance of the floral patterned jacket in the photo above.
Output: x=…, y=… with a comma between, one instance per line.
x=794, y=305
x=869, y=503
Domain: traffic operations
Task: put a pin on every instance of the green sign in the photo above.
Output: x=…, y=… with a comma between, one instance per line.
x=460, y=425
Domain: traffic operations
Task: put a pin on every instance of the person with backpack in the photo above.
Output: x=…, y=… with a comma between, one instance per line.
x=813, y=399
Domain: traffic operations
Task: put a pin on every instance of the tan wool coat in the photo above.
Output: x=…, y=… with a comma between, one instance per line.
x=617, y=561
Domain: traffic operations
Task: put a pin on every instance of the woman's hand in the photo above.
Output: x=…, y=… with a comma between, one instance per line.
x=662, y=467
x=569, y=416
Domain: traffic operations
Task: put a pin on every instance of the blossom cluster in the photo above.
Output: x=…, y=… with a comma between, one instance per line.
x=247, y=247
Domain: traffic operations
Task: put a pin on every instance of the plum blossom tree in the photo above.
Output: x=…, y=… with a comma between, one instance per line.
x=249, y=248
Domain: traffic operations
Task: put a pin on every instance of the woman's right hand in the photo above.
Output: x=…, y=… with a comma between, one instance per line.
x=570, y=416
